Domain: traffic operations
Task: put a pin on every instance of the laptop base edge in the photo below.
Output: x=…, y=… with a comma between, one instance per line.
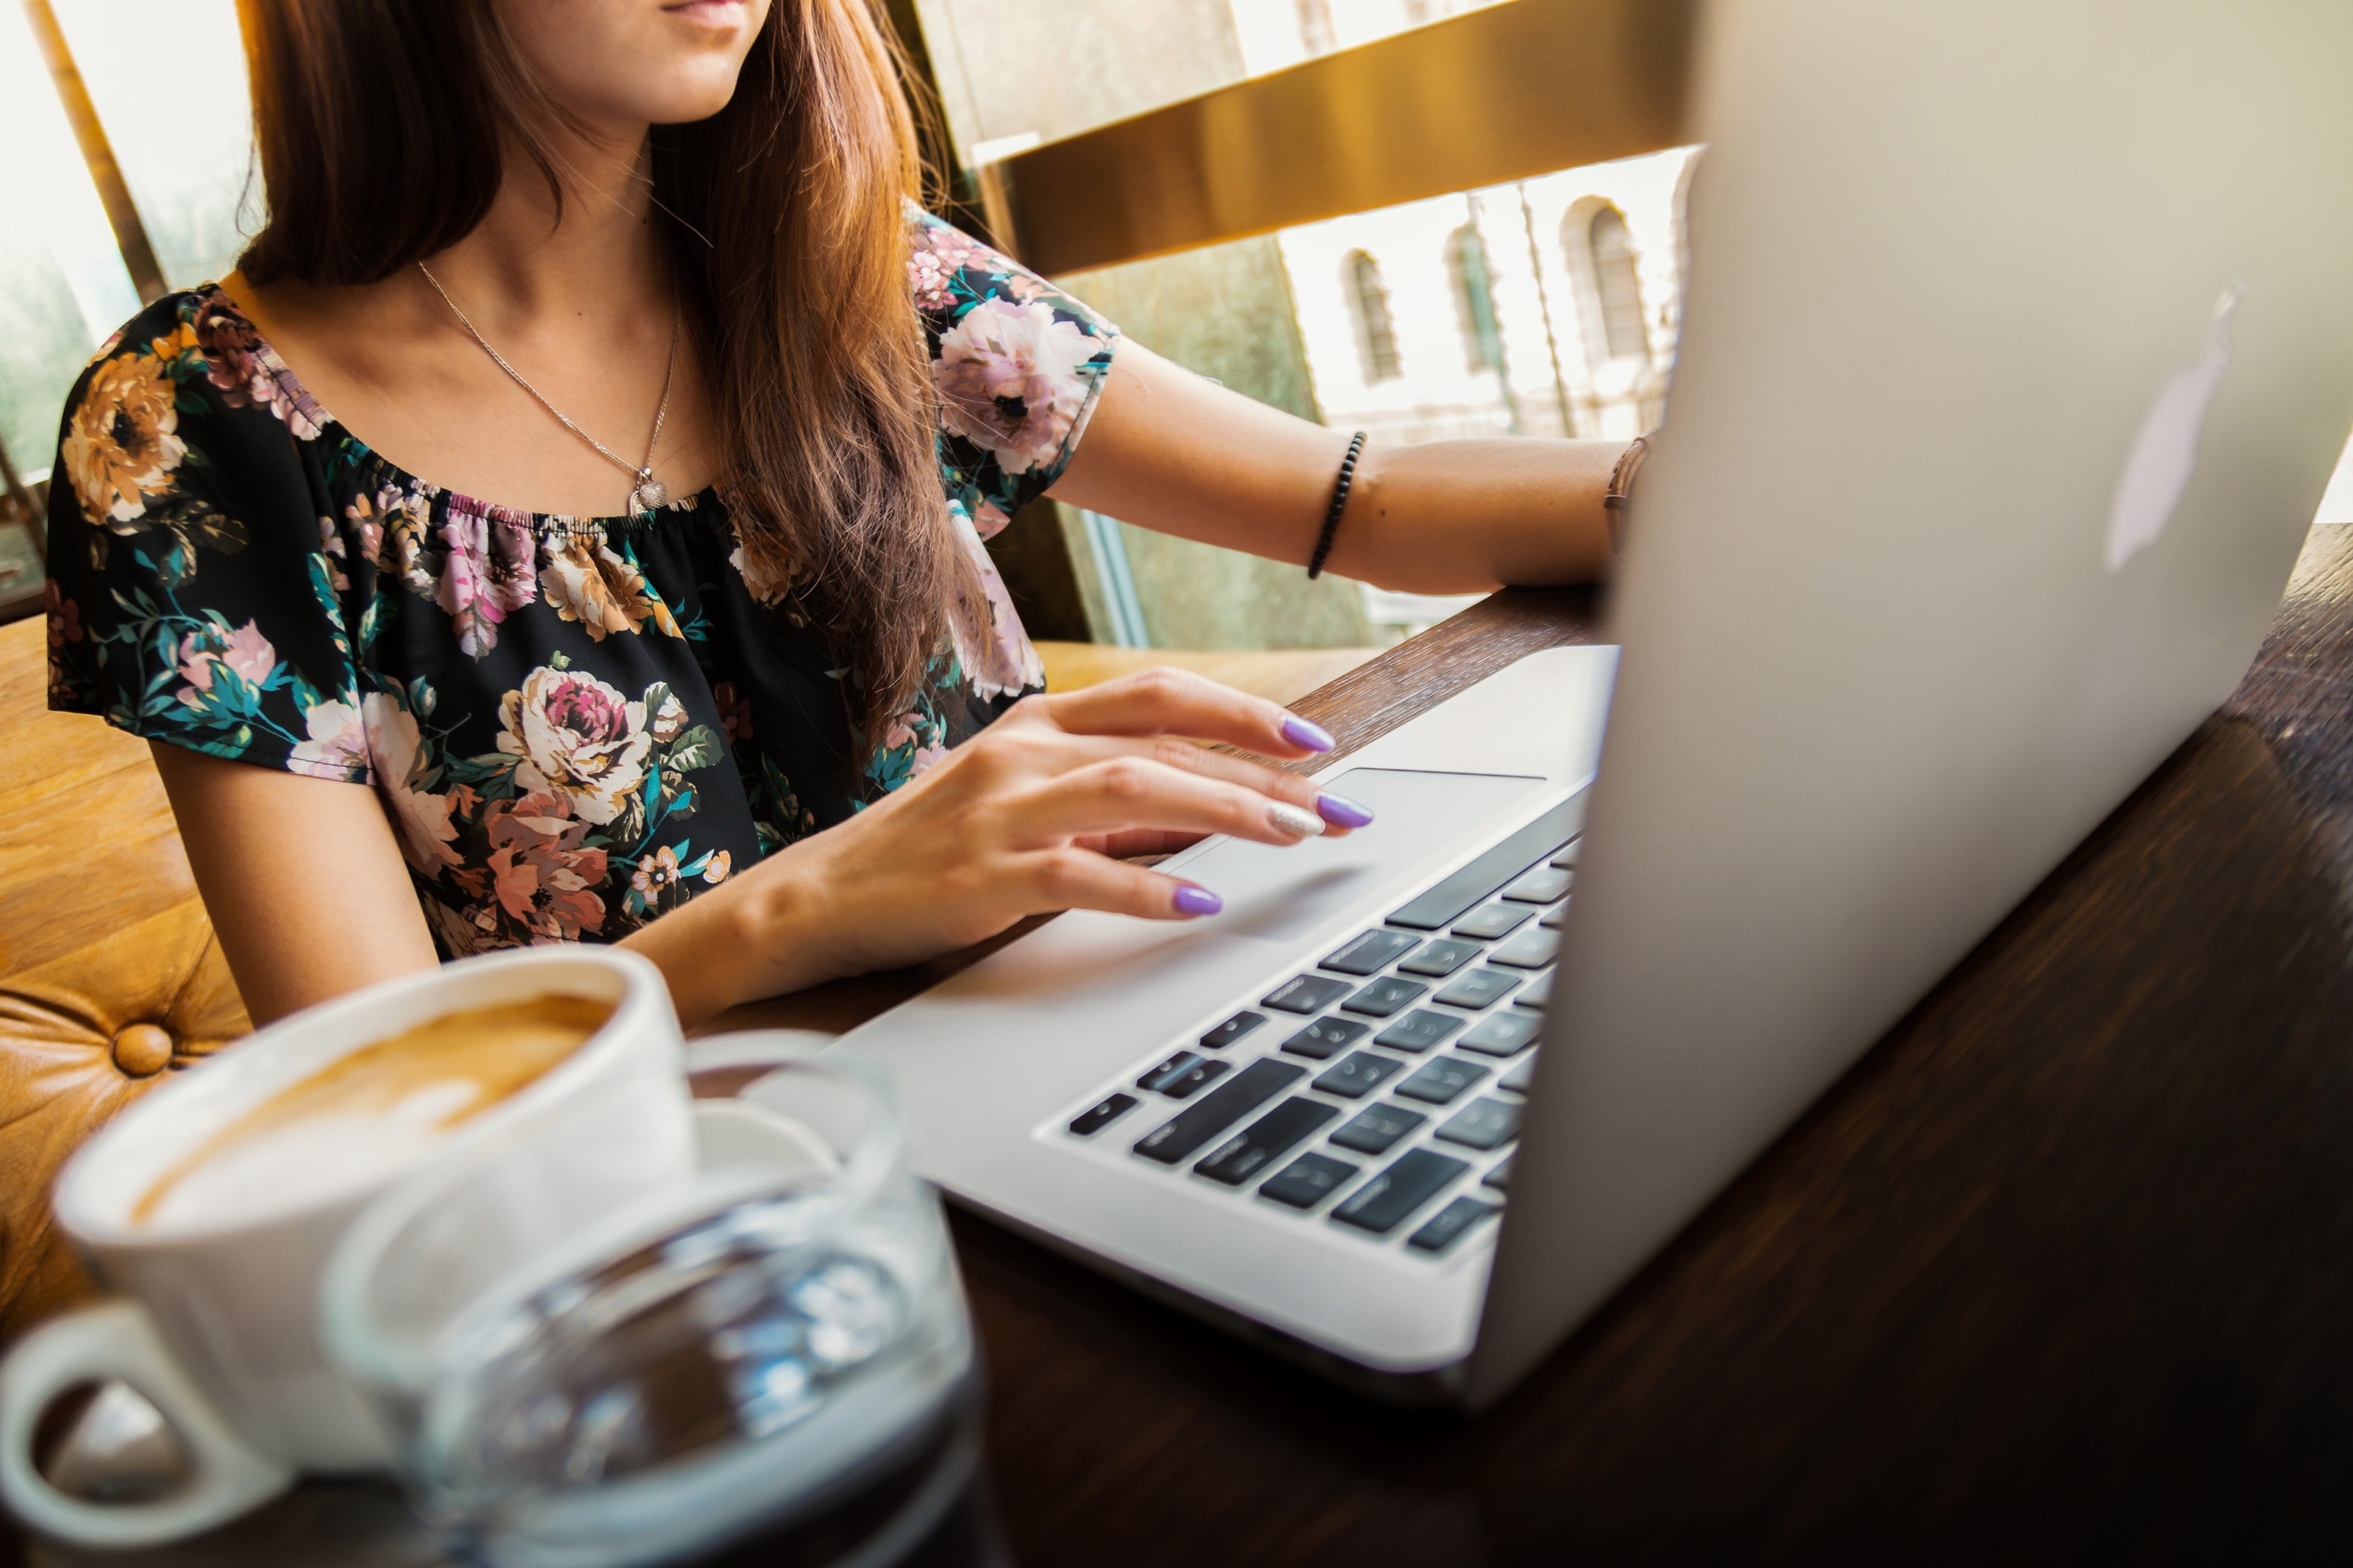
x=1440, y=1388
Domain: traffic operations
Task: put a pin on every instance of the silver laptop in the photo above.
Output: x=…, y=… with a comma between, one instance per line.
x=2019, y=346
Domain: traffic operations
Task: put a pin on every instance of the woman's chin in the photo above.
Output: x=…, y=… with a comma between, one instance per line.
x=686, y=91
x=619, y=63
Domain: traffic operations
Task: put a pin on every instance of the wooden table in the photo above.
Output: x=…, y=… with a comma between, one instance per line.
x=2064, y=1269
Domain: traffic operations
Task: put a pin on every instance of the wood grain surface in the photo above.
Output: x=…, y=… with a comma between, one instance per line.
x=2061, y=1270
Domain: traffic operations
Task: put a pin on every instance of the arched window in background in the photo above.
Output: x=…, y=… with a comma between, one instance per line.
x=1474, y=298
x=1316, y=32
x=1375, y=332
x=1617, y=286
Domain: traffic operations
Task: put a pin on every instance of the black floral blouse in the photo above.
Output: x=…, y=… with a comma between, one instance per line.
x=572, y=723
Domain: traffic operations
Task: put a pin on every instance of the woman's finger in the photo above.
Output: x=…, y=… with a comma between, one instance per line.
x=1339, y=812
x=1139, y=841
x=1178, y=703
x=1073, y=878
x=1125, y=794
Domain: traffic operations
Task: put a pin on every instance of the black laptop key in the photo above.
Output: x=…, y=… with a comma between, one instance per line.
x=1443, y=904
x=1325, y=1038
x=1308, y=1180
x=1545, y=885
x=1264, y=1141
x=1439, y=958
x=1096, y=1118
x=1505, y=1035
x=1500, y=1178
x=1529, y=950
x=1232, y=1029
x=1566, y=859
x=1450, y=1225
x=1181, y=1075
x=1417, y=1031
x=1477, y=988
x=1483, y=1124
x=1182, y=1137
x=1516, y=1080
x=1359, y=1075
x=1169, y=1068
x=1376, y=1129
x=1306, y=993
x=1371, y=952
x=1383, y=996
x=1384, y=1202
x=1441, y=1080
x=1536, y=992
x=1487, y=924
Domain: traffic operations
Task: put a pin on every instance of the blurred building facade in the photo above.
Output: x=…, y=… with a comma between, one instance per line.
x=1547, y=308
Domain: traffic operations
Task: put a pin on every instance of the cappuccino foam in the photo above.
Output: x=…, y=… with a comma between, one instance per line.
x=371, y=1112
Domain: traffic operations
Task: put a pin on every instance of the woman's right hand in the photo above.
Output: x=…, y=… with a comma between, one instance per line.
x=1032, y=815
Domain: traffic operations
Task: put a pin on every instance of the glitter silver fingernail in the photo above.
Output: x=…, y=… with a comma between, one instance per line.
x=1290, y=819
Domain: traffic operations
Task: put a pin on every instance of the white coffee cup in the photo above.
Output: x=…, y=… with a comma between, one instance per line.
x=213, y=1320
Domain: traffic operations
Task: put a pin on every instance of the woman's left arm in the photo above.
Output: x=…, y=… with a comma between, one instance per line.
x=1171, y=451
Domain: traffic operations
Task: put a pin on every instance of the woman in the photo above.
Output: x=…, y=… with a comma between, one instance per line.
x=634, y=588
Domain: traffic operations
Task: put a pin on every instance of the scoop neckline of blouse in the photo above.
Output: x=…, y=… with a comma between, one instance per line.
x=319, y=415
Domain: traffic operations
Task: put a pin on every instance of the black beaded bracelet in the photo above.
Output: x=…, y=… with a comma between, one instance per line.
x=1339, y=504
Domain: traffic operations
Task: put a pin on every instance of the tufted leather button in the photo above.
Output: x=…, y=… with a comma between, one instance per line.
x=142, y=1050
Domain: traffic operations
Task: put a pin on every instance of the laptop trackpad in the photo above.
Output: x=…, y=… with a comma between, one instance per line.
x=1282, y=893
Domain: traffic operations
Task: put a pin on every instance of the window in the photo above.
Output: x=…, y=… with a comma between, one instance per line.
x=1617, y=286
x=179, y=157
x=1474, y=298
x=1314, y=25
x=1375, y=332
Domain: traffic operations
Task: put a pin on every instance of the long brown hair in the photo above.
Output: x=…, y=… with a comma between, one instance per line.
x=382, y=129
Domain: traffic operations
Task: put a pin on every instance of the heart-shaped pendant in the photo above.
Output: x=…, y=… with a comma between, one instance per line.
x=651, y=495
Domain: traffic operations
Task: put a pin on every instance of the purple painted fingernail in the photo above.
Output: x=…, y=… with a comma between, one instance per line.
x=1300, y=733
x=1341, y=812
x=1193, y=900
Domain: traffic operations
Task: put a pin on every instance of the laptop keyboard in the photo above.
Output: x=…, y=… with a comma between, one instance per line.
x=1365, y=1090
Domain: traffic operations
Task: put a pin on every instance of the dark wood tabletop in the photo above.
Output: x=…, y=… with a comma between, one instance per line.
x=2063, y=1269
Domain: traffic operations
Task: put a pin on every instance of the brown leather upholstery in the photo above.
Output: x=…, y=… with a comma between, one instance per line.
x=110, y=977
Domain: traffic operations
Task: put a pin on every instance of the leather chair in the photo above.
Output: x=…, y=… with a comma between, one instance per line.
x=110, y=976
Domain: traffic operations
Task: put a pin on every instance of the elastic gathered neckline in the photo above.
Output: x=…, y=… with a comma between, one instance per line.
x=319, y=415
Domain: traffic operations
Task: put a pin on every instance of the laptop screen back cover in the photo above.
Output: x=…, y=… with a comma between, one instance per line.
x=2017, y=353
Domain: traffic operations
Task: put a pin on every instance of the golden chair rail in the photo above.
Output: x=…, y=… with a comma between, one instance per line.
x=1503, y=93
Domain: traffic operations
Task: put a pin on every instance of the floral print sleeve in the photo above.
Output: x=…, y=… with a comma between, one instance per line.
x=1018, y=364
x=191, y=598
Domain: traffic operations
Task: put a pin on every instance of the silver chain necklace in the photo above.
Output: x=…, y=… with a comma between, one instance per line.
x=648, y=493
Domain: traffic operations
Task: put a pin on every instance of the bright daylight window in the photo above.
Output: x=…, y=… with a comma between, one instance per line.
x=181, y=140
x=1547, y=307
x=1482, y=313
